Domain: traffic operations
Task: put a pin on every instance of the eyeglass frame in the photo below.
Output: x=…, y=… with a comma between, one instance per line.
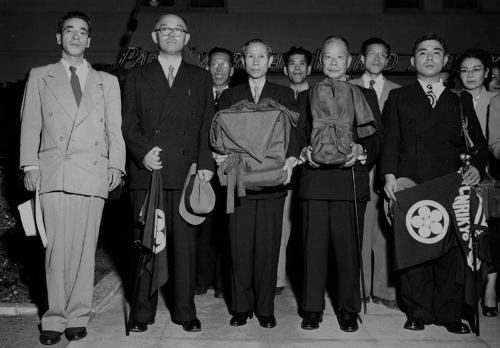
x=171, y=31
x=473, y=71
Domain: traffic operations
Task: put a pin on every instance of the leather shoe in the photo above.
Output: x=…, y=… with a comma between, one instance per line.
x=240, y=318
x=75, y=333
x=279, y=290
x=415, y=325
x=311, y=320
x=348, y=321
x=219, y=293
x=490, y=311
x=49, y=338
x=137, y=326
x=267, y=321
x=458, y=328
x=192, y=325
x=200, y=290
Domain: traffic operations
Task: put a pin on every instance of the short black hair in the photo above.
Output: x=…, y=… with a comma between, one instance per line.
x=257, y=40
x=74, y=14
x=334, y=38
x=374, y=41
x=221, y=50
x=430, y=36
x=477, y=53
x=297, y=50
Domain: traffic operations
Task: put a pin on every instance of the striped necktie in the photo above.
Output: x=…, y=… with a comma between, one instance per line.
x=431, y=96
x=372, y=83
x=170, y=76
x=75, y=85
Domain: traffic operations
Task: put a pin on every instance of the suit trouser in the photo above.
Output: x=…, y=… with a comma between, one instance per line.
x=285, y=236
x=72, y=225
x=378, y=272
x=254, y=235
x=181, y=241
x=430, y=292
x=325, y=224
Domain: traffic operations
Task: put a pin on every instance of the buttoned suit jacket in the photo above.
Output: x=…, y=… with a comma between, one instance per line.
x=388, y=86
x=335, y=182
x=74, y=146
x=176, y=119
x=423, y=143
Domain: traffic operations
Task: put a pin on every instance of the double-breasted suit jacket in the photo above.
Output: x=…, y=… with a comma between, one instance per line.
x=424, y=143
x=72, y=145
x=176, y=119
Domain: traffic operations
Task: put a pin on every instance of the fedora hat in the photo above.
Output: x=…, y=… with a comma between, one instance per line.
x=403, y=183
x=197, y=199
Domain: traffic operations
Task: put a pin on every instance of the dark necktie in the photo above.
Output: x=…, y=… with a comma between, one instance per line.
x=372, y=82
x=75, y=85
x=431, y=96
x=217, y=97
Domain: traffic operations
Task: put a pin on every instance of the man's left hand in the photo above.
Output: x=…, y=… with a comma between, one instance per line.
x=114, y=178
x=290, y=163
x=471, y=176
x=205, y=175
x=356, y=151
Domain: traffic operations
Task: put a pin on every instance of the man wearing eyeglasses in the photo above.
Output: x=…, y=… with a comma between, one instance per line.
x=72, y=152
x=379, y=280
x=168, y=106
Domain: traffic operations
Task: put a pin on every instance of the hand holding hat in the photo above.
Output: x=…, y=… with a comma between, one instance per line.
x=198, y=197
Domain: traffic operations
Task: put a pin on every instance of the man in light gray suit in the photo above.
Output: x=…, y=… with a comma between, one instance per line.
x=378, y=274
x=72, y=151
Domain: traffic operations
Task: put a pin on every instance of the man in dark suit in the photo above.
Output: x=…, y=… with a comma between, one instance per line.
x=328, y=211
x=424, y=138
x=255, y=225
x=168, y=106
x=212, y=234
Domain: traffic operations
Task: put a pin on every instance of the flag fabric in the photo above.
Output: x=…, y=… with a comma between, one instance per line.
x=471, y=227
x=422, y=221
x=154, y=237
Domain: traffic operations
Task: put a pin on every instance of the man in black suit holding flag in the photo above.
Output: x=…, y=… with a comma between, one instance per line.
x=424, y=140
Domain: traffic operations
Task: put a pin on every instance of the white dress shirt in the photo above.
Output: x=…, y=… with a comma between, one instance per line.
x=167, y=62
x=82, y=71
x=378, y=86
x=437, y=88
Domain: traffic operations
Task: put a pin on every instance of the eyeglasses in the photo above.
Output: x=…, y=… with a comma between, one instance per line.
x=373, y=54
x=166, y=31
x=473, y=71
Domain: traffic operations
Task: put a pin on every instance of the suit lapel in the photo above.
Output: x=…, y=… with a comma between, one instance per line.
x=385, y=94
x=422, y=109
x=92, y=94
x=58, y=82
x=157, y=81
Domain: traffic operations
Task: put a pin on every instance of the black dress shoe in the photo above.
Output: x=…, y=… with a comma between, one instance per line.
x=415, y=325
x=75, y=333
x=137, y=326
x=458, y=328
x=219, y=293
x=240, y=318
x=490, y=311
x=192, y=325
x=200, y=290
x=49, y=338
x=267, y=321
x=311, y=320
x=348, y=321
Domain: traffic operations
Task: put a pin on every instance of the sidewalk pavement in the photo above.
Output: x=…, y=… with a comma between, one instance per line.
x=381, y=327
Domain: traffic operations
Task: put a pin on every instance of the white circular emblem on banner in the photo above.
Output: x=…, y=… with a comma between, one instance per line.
x=160, y=239
x=427, y=221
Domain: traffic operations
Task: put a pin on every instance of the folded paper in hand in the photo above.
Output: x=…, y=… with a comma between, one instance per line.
x=31, y=218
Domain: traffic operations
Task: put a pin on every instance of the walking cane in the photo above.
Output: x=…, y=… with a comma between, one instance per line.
x=137, y=278
x=358, y=240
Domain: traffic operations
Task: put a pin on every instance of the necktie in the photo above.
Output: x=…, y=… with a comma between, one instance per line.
x=431, y=96
x=170, y=76
x=256, y=94
x=75, y=85
x=372, y=82
x=217, y=97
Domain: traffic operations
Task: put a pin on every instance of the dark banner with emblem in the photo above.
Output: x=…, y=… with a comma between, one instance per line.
x=423, y=221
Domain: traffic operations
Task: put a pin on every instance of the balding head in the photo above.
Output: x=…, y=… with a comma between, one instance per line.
x=335, y=57
x=171, y=17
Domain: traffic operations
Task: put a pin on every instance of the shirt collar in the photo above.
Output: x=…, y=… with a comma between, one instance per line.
x=256, y=83
x=299, y=88
x=437, y=87
x=82, y=68
x=166, y=62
